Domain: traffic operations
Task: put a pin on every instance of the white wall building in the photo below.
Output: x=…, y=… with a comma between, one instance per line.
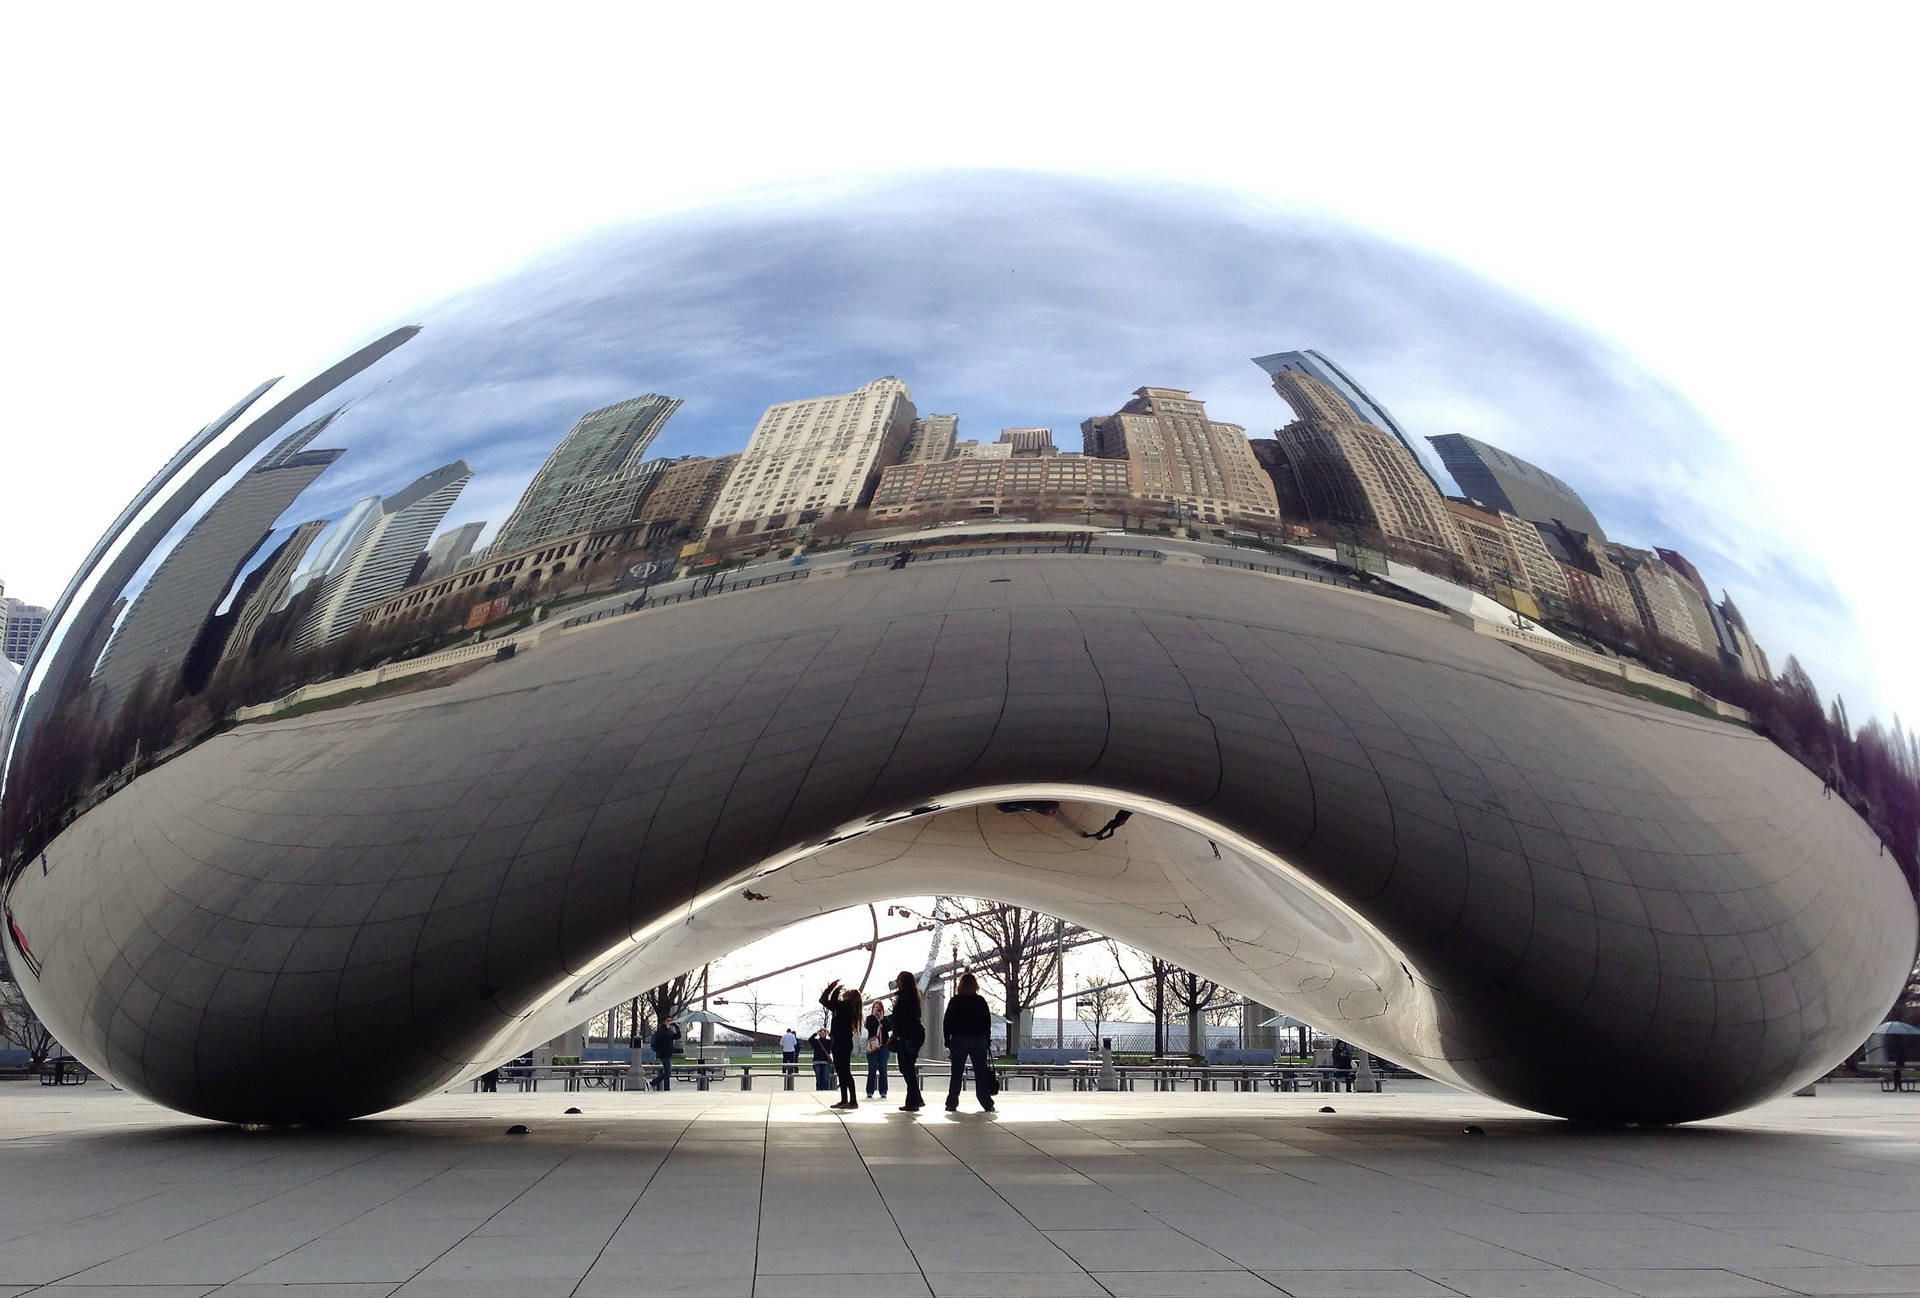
x=808, y=460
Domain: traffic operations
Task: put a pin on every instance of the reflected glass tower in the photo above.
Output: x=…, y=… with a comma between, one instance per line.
x=1358, y=400
x=1506, y=482
x=169, y=613
x=382, y=556
x=600, y=456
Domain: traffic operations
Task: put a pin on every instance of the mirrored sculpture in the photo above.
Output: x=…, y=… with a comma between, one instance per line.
x=734, y=569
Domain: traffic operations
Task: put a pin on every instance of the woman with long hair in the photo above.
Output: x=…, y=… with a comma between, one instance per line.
x=843, y=1012
x=968, y=1027
x=909, y=1034
x=879, y=1042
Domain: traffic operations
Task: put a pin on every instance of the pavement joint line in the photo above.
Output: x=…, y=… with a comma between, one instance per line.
x=210, y=1221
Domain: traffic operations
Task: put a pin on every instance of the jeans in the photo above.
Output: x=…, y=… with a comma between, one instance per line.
x=663, y=1080
x=822, y=1075
x=877, y=1072
x=909, y=1052
x=965, y=1050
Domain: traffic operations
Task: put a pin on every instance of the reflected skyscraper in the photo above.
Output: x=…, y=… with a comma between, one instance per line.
x=1180, y=458
x=595, y=473
x=1506, y=482
x=168, y=615
x=335, y=541
x=382, y=555
x=1358, y=401
x=809, y=460
x=449, y=548
x=1348, y=470
x=264, y=590
x=931, y=440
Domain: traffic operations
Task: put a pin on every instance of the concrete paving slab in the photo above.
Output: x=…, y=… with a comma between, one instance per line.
x=744, y=1195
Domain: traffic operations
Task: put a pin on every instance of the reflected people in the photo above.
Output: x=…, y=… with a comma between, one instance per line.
x=1273, y=599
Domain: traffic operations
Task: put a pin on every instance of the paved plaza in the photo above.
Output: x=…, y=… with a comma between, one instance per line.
x=751, y=1195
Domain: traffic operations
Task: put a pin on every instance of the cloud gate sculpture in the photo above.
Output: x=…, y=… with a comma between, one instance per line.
x=655, y=598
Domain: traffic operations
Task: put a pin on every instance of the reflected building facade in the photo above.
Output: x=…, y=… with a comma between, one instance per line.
x=166, y=618
x=1181, y=460
x=814, y=459
x=1349, y=471
x=596, y=475
x=381, y=557
x=1352, y=399
x=1508, y=483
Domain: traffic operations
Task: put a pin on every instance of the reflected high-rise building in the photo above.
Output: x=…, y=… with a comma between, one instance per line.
x=264, y=590
x=812, y=459
x=382, y=556
x=1666, y=601
x=683, y=499
x=931, y=439
x=1506, y=482
x=334, y=542
x=1180, y=458
x=169, y=613
x=1356, y=400
x=1347, y=470
x=1029, y=441
x=593, y=473
x=449, y=548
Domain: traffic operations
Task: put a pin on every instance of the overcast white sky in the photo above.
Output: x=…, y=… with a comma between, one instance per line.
x=197, y=202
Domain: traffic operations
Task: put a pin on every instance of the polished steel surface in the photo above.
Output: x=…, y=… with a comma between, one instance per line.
x=302, y=819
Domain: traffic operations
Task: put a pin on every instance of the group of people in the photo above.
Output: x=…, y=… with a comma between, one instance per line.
x=900, y=1031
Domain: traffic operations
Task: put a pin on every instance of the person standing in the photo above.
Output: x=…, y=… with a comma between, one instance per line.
x=822, y=1061
x=843, y=1012
x=666, y=1040
x=909, y=1034
x=790, y=1052
x=879, y=1040
x=968, y=1032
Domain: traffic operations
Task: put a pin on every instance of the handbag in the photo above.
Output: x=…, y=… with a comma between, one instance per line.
x=993, y=1080
x=873, y=1044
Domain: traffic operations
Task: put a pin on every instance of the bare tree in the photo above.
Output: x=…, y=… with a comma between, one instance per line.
x=1103, y=996
x=1018, y=952
x=19, y=1024
x=1199, y=997
x=1152, y=996
x=670, y=999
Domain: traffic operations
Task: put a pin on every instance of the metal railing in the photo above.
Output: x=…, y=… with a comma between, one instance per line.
x=699, y=590
x=980, y=551
x=1384, y=589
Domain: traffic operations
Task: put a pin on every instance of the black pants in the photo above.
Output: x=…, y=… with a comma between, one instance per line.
x=790, y=1058
x=966, y=1050
x=843, y=1069
x=908, y=1053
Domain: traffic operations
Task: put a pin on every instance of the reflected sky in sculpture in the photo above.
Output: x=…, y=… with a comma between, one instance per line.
x=1020, y=301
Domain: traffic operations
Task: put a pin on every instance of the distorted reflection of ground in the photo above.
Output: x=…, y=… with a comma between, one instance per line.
x=768, y=1193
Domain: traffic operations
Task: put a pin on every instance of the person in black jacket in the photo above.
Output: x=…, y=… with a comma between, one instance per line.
x=666, y=1040
x=843, y=1012
x=967, y=1029
x=879, y=1027
x=909, y=1034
